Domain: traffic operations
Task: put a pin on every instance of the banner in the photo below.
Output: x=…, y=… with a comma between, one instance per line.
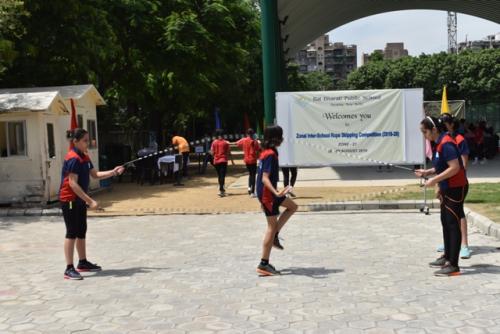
x=350, y=127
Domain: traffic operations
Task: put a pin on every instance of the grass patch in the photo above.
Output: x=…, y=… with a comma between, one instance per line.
x=483, y=198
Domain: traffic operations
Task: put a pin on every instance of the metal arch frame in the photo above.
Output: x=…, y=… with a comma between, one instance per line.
x=302, y=21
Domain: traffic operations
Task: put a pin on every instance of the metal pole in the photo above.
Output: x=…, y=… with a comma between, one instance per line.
x=269, y=24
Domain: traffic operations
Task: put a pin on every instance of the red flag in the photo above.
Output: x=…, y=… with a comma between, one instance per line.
x=73, y=123
x=246, y=122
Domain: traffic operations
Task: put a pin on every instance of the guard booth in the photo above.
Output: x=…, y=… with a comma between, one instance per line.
x=33, y=125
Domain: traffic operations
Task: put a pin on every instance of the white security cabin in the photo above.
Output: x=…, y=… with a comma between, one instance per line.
x=33, y=125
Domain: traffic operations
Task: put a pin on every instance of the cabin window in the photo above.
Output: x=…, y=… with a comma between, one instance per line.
x=91, y=128
x=13, y=139
x=51, y=145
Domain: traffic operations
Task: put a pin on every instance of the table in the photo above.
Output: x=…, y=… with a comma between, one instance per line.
x=168, y=159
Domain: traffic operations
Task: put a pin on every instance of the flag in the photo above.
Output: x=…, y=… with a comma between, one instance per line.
x=73, y=123
x=246, y=122
x=218, y=124
x=445, y=108
x=259, y=128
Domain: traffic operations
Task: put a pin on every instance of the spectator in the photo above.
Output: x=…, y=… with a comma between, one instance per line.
x=479, y=141
x=182, y=146
x=251, y=149
x=490, y=143
x=221, y=152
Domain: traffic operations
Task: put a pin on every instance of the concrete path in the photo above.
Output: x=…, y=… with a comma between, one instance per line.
x=342, y=273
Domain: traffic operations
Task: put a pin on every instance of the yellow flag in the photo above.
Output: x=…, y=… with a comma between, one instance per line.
x=445, y=108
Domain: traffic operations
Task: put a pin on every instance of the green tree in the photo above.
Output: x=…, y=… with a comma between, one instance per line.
x=57, y=47
x=11, y=29
x=311, y=81
x=161, y=65
x=318, y=80
x=468, y=75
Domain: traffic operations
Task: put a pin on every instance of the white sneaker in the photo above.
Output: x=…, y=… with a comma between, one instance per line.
x=475, y=161
x=483, y=161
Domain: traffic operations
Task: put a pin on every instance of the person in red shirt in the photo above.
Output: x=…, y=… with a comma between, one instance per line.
x=251, y=149
x=221, y=151
x=479, y=141
x=74, y=198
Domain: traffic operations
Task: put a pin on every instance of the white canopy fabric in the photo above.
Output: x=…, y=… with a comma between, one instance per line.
x=306, y=20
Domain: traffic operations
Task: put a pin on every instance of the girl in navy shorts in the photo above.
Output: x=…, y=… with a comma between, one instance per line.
x=271, y=199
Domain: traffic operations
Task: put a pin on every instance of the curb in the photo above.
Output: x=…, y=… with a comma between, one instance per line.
x=487, y=226
x=313, y=207
x=30, y=212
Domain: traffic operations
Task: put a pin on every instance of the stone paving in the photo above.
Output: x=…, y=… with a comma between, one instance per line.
x=342, y=273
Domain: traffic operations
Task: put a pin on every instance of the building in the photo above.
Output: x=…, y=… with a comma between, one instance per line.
x=391, y=51
x=489, y=42
x=33, y=124
x=395, y=51
x=335, y=59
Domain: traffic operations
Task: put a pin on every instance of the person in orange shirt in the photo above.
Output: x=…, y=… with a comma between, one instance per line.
x=251, y=149
x=182, y=146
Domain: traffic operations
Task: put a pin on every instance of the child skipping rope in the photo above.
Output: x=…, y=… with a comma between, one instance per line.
x=271, y=199
x=452, y=188
x=74, y=198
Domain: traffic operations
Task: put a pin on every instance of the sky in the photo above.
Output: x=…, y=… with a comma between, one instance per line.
x=422, y=31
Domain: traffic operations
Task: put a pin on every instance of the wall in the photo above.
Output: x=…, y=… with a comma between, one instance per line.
x=22, y=176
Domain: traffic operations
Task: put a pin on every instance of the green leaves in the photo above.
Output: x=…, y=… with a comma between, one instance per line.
x=158, y=63
x=11, y=29
x=468, y=75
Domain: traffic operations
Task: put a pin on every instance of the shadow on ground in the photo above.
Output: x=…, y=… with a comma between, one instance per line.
x=125, y=272
x=480, y=268
x=313, y=272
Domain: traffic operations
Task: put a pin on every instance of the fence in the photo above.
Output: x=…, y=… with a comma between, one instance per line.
x=487, y=111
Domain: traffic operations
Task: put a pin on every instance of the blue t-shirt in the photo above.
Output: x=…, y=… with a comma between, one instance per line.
x=77, y=163
x=448, y=151
x=463, y=147
x=269, y=163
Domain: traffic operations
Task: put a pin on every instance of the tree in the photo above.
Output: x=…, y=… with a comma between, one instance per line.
x=57, y=48
x=318, y=80
x=11, y=29
x=159, y=64
x=468, y=75
x=376, y=55
x=311, y=81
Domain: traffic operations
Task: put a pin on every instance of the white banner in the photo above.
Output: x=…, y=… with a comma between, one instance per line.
x=350, y=127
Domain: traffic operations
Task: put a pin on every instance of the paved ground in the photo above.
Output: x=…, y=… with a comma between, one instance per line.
x=343, y=273
x=361, y=176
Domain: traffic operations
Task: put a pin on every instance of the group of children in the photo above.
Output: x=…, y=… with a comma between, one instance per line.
x=449, y=163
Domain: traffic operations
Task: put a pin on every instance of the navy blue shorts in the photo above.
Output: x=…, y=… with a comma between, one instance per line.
x=272, y=208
